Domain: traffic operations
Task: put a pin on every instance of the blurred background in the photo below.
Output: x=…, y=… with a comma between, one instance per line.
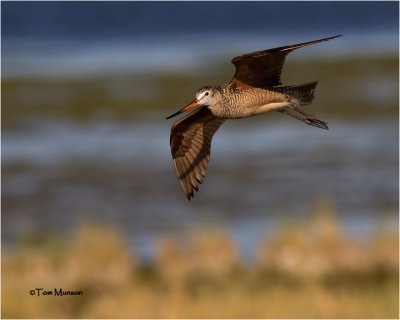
x=287, y=213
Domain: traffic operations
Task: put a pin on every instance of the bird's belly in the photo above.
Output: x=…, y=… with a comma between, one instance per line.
x=253, y=102
x=254, y=110
x=272, y=106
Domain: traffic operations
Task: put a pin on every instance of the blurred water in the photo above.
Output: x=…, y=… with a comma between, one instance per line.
x=99, y=20
x=80, y=38
x=58, y=174
x=182, y=54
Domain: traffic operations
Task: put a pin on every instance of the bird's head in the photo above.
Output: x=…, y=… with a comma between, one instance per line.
x=205, y=97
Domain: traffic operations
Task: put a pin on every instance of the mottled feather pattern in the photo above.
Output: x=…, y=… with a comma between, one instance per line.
x=244, y=103
x=190, y=146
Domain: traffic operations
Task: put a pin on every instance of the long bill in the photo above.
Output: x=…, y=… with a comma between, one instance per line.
x=191, y=105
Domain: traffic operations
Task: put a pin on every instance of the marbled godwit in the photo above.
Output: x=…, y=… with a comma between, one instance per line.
x=255, y=89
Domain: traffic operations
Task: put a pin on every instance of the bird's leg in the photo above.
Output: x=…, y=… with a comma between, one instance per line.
x=301, y=115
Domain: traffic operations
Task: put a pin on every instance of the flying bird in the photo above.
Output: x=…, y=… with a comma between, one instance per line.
x=255, y=89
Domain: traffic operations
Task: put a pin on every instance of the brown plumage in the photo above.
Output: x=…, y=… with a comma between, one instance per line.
x=253, y=90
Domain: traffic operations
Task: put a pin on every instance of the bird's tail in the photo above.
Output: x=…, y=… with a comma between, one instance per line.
x=301, y=95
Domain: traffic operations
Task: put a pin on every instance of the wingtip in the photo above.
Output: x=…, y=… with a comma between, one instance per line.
x=334, y=37
x=243, y=56
x=322, y=40
x=190, y=194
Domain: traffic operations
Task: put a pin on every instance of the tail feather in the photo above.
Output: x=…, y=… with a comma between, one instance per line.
x=303, y=93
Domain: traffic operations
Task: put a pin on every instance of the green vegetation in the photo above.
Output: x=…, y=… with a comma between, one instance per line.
x=362, y=87
x=311, y=270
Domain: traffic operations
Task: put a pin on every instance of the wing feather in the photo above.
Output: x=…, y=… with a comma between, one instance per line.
x=264, y=68
x=190, y=147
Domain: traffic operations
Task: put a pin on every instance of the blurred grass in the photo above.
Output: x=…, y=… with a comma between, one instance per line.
x=350, y=88
x=311, y=270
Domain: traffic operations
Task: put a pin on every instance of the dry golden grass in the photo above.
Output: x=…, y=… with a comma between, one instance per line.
x=308, y=271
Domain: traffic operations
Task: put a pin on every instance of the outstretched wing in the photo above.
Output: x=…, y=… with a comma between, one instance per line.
x=264, y=68
x=190, y=147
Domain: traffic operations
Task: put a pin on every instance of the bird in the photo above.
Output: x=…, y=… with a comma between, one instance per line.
x=255, y=89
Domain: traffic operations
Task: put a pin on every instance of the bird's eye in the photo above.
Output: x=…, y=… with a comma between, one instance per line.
x=206, y=93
